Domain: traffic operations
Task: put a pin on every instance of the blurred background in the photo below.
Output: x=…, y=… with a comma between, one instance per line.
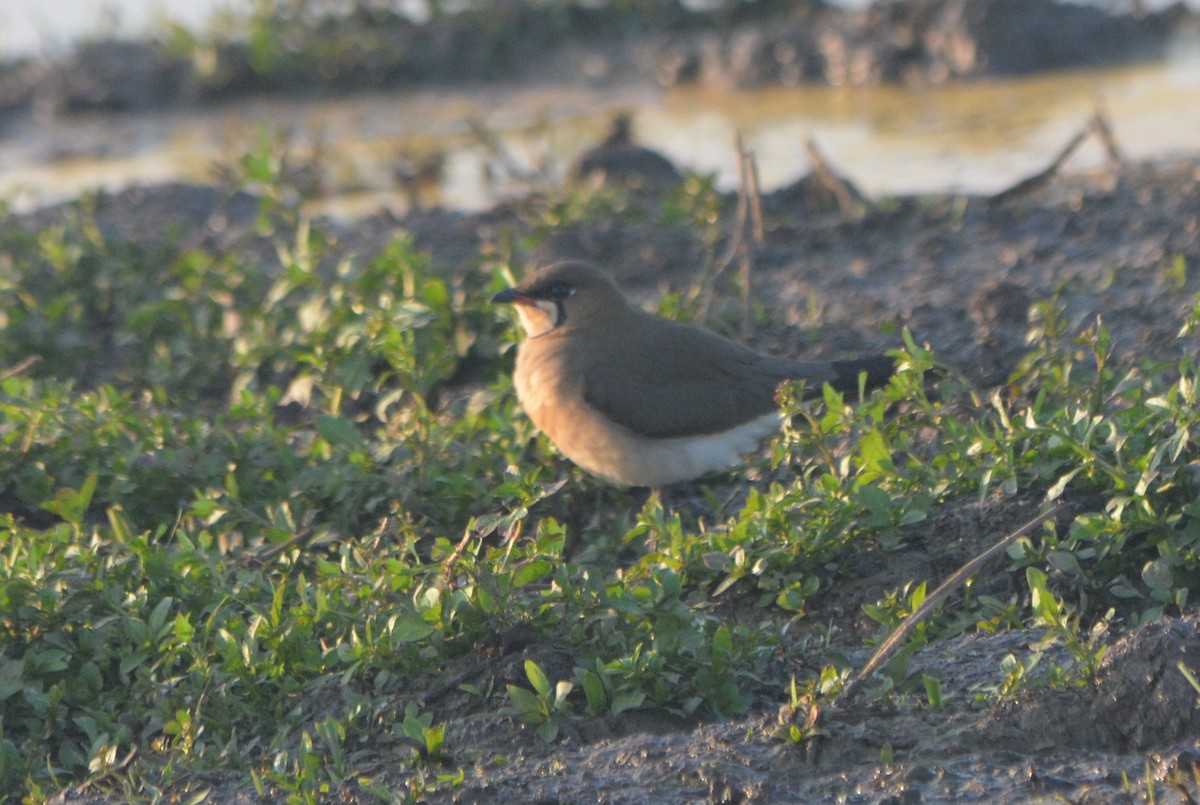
x=460, y=104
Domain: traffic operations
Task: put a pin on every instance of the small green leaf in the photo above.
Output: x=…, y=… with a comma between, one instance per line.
x=1044, y=603
x=1157, y=574
x=525, y=704
x=537, y=678
x=339, y=432
x=547, y=731
x=11, y=672
x=158, y=617
x=627, y=700
x=1064, y=561
x=593, y=691
x=933, y=690
x=410, y=630
x=531, y=572
x=722, y=642
x=434, y=739
x=183, y=629
x=875, y=453
x=70, y=504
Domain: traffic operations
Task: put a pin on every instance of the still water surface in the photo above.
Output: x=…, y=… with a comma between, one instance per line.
x=978, y=137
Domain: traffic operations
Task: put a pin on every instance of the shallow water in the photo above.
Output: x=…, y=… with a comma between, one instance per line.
x=977, y=137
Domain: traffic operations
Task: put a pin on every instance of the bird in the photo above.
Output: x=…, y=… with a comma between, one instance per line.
x=618, y=160
x=643, y=401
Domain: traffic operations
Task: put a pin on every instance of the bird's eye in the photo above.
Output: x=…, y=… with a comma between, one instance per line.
x=560, y=290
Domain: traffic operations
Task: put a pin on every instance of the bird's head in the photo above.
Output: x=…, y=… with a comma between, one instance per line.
x=563, y=297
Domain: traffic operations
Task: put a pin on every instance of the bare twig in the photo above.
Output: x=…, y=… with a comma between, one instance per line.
x=456, y=554
x=756, y=215
x=737, y=237
x=1103, y=127
x=268, y=554
x=1032, y=183
x=499, y=152
x=510, y=538
x=19, y=367
x=851, y=203
x=749, y=174
x=1098, y=124
x=414, y=173
x=902, y=631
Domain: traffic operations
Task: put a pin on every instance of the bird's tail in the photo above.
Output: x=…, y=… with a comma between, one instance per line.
x=878, y=369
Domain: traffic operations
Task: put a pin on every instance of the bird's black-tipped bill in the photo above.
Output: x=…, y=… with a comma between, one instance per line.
x=510, y=296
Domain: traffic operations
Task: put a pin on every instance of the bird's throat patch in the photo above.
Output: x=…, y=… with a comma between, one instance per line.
x=540, y=318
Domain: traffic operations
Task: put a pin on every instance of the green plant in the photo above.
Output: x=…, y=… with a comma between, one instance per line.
x=797, y=719
x=542, y=707
x=427, y=738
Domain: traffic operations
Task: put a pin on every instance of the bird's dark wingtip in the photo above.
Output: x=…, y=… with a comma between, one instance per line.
x=878, y=369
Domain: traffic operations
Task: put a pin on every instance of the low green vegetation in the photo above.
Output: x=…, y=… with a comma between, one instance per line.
x=238, y=536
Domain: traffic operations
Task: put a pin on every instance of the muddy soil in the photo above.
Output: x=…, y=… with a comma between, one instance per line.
x=962, y=274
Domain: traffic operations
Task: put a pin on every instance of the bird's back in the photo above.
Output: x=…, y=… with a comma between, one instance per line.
x=691, y=382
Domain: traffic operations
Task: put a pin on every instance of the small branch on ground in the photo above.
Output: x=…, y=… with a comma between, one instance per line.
x=851, y=203
x=935, y=598
x=269, y=554
x=749, y=180
x=749, y=208
x=499, y=152
x=1102, y=125
x=1098, y=124
x=1031, y=183
x=19, y=367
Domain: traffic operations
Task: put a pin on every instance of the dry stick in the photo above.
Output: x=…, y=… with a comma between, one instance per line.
x=717, y=267
x=19, y=367
x=851, y=203
x=937, y=596
x=494, y=146
x=448, y=563
x=268, y=554
x=510, y=539
x=1103, y=128
x=750, y=249
x=756, y=214
x=1041, y=177
x=301, y=538
x=412, y=172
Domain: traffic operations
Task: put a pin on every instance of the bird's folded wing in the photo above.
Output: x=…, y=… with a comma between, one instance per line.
x=691, y=383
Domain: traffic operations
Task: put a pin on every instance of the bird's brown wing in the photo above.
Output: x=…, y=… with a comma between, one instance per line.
x=691, y=382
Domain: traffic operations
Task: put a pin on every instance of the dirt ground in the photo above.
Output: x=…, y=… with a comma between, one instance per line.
x=961, y=273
